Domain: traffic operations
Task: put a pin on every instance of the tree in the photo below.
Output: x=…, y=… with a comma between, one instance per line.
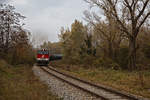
x=21, y=49
x=65, y=41
x=90, y=45
x=74, y=41
x=78, y=33
x=106, y=33
x=131, y=15
x=9, y=25
x=15, y=46
x=54, y=47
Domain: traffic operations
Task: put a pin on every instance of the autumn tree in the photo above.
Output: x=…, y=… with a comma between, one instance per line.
x=77, y=37
x=15, y=45
x=64, y=38
x=22, y=51
x=10, y=22
x=90, y=44
x=106, y=33
x=131, y=15
x=75, y=42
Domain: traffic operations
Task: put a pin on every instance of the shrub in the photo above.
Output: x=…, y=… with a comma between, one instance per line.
x=122, y=57
x=115, y=66
x=88, y=60
x=106, y=63
x=146, y=51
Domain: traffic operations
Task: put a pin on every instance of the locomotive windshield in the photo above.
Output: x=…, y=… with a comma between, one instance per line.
x=43, y=52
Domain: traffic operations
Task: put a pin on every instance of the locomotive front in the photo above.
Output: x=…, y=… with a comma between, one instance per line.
x=42, y=57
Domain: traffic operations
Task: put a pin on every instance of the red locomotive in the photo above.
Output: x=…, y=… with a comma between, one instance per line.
x=43, y=57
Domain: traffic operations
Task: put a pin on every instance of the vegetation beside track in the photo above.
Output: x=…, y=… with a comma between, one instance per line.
x=19, y=83
x=119, y=79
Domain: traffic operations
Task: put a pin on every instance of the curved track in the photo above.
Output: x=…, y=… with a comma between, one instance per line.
x=101, y=92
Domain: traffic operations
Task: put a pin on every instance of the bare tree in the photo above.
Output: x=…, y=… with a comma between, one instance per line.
x=131, y=15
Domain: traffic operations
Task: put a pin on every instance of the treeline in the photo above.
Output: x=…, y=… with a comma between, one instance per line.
x=118, y=40
x=54, y=48
x=15, y=46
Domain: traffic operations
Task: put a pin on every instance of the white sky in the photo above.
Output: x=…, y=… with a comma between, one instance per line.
x=46, y=17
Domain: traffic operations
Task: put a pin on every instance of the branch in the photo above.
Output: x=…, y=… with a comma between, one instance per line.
x=142, y=22
x=130, y=9
x=128, y=5
x=115, y=14
x=134, y=5
x=142, y=11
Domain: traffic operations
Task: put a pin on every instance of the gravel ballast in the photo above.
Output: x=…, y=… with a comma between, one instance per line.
x=62, y=89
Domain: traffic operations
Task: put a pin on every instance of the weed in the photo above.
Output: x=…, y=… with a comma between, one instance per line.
x=19, y=83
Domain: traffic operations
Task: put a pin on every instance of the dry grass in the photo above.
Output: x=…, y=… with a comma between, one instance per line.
x=19, y=83
x=121, y=80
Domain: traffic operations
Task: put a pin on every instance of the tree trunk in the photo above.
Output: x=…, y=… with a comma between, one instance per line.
x=132, y=54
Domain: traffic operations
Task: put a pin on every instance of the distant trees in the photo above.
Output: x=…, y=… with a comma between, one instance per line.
x=54, y=48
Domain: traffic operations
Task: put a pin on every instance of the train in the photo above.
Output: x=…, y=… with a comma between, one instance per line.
x=44, y=57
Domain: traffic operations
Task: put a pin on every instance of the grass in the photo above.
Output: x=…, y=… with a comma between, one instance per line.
x=19, y=83
x=118, y=79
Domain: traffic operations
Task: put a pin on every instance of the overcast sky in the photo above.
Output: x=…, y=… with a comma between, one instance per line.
x=46, y=17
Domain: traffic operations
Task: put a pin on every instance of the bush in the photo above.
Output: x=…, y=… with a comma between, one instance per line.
x=115, y=66
x=99, y=62
x=143, y=62
x=146, y=51
x=25, y=57
x=106, y=63
x=2, y=55
x=122, y=57
x=88, y=60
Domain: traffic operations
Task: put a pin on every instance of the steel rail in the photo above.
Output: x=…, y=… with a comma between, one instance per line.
x=124, y=95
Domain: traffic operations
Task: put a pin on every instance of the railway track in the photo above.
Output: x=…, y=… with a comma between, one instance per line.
x=101, y=92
